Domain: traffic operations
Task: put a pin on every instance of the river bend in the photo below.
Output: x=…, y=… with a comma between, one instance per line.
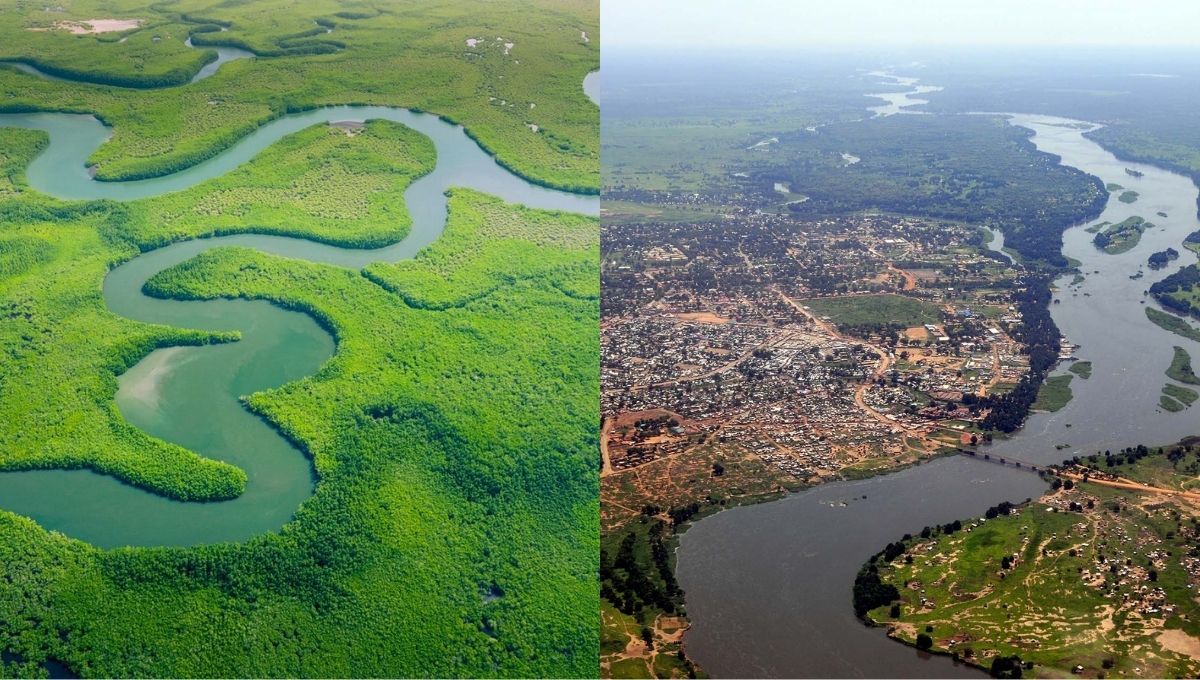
x=769, y=586
x=190, y=395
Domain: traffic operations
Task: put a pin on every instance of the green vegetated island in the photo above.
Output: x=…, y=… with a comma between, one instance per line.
x=1181, y=368
x=1095, y=578
x=1083, y=369
x=1180, y=291
x=452, y=531
x=1121, y=237
x=1054, y=393
x=1192, y=242
x=1173, y=324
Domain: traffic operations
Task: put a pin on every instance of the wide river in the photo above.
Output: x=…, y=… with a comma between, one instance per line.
x=768, y=586
x=189, y=395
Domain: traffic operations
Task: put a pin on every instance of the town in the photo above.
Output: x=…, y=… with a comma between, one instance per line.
x=803, y=350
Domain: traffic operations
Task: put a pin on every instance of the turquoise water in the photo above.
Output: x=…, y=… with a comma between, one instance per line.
x=190, y=395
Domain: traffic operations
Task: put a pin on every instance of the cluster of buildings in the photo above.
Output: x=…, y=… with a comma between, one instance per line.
x=712, y=321
x=1126, y=557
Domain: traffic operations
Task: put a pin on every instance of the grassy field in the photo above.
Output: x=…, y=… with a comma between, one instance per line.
x=1054, y=393
x=454, y=527
x=871, y=310
x=1083, y=369
x=1086, y=576
x=1128, y=196
x=418, y=58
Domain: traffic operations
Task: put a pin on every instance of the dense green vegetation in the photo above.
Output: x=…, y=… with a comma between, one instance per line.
x=1128, y=196
x=1041, y=337
x=1180, y=292
x=1181, y=367
x=1168, y=403
x=322, y=183
x=1192, y=242
x=1160, y=258
x=638, y=588
x=151, y=54
x=709, y=110
x=446, y=434
x=491, y=249
x=418, y=58
x=1054, y=393
x=318, y=183
x=453, y=530
x=957, y=167
x=1148, y=119
x=1121, y=237
x=54, y=256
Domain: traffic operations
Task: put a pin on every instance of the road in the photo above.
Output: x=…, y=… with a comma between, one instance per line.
x=885, y=362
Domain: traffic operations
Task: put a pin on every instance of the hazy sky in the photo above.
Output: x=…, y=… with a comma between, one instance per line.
x=862, y=23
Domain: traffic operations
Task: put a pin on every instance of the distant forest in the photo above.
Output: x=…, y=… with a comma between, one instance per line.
x=971, y=168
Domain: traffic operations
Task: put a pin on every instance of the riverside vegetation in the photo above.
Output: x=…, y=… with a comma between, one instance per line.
x=496, y=91
x=709, y=163
x=453, y=526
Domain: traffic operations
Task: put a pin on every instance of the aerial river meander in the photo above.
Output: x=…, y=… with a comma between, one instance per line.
x=769, y=586
x=190, y=395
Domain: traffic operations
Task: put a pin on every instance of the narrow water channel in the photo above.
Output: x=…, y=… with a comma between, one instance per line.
x=189, y=395
x=224, y=55
x=769, y=586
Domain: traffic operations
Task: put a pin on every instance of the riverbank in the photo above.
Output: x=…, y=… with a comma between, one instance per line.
x=1059, y=585
x=160, y=131
x=630, y=648
x=755, y=570
x=419, y=425
x=285, y=345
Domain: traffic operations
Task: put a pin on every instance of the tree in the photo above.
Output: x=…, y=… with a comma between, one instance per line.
x=924, y=642
x=1006, y=667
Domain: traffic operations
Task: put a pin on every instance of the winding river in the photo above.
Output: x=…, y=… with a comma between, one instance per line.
x=224, y=55
x=768, y=586
x=900, y=102
x=189, y=395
